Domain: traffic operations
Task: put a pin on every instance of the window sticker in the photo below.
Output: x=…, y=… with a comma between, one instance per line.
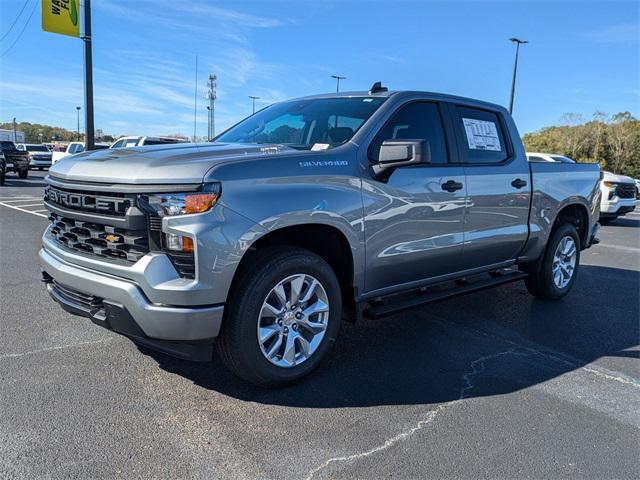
x=482, y=135
x=319, y=147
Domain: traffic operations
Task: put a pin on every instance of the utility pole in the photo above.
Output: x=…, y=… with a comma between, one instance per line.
x=195, y=104
x=78, y=130
x=338, y=78
x=254, y=103
x=518, y=42
x=15, y=135
x=89, y=141
x=211, y=96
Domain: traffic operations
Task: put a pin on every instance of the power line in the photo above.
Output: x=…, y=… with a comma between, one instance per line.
x=35, y=4
x=15, y=20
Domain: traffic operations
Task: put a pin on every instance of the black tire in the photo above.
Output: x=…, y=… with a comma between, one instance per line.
x=23, y=174
x=3, y=177
x=238, y=346
x=540, y=283
x=41, y=168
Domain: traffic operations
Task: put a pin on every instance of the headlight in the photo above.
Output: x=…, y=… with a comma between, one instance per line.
x=609, y=184
x=171, y=204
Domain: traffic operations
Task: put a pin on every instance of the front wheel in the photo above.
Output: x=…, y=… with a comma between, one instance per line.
x=283, y=317
x=559, y=266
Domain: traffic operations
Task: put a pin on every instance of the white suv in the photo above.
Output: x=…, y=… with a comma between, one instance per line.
x=618, y=196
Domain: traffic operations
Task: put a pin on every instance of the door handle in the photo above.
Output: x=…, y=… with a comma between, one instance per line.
x=451, y=186
x=518, y=183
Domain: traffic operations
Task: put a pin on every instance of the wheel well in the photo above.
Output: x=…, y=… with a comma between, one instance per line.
x=578, y=216
x=323, y=240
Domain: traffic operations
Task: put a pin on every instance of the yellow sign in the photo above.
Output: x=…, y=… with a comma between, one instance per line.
x=61, y=16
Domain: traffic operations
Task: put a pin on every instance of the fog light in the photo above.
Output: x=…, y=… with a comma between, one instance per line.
x=178, y=243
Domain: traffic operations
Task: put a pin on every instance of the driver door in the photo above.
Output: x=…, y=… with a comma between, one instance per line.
x=414, y=220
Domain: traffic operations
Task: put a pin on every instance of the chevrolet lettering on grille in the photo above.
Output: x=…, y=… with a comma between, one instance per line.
x=81, y=201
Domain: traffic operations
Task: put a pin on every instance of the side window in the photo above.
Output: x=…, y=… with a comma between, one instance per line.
x=483, y=138
x=533, y=158
x=415, y=121
x=118, y=144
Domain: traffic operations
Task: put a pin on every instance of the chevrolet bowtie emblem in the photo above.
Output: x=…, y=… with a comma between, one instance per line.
x=113, y=238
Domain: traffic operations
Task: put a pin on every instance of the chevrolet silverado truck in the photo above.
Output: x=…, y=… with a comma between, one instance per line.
x=307, y=213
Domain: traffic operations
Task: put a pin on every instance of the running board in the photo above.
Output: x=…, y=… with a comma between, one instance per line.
x=379, y=311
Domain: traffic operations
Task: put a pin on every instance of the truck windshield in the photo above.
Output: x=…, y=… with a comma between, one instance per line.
x=37, y=148
x=318, y=123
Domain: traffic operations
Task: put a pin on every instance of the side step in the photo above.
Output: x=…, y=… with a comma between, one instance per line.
x=379, y=311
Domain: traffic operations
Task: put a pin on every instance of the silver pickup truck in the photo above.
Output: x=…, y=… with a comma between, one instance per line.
x=311, y=211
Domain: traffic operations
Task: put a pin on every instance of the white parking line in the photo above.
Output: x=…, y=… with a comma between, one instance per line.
x=23, y=210
x=31, y=205
x=36, y=211
x=15, y=197
x=22, y=199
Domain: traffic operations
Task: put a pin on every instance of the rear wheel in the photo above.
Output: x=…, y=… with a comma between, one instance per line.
x=23, y=173
x=559, y=265
x=2, y=175
x=283, y=317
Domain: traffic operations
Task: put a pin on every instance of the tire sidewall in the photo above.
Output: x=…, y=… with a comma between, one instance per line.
x=246, y=310
x=547, y=266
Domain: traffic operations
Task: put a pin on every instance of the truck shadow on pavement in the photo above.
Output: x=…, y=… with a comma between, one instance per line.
x=624, y=222
x=489, y=343
x=26, y=183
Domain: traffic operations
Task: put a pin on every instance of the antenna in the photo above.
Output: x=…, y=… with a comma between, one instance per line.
x=377, y=88
x=211, y=96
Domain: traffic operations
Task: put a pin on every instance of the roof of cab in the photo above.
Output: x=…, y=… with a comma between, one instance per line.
x=406, y=93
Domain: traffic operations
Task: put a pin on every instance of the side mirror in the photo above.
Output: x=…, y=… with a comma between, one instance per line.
x=399, y=153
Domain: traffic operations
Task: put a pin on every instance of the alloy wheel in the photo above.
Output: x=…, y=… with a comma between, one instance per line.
x=564, y=262
x=293, y=320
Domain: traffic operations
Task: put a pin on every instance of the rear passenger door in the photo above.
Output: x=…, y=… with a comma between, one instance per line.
x=498, y=187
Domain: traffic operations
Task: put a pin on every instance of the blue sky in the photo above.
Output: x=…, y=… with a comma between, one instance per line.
x=582, y=57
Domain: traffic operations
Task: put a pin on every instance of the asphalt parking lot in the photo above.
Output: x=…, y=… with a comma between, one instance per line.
x=491, y=385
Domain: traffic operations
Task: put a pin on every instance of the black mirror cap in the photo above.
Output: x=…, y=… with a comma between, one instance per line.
x=400, y=153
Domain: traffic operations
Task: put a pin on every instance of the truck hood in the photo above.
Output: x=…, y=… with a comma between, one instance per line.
x=612, y=177
x=158, y=164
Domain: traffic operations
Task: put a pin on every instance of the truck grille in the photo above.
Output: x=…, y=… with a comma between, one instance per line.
x=626, y=190
x=108, y=224
x=101, y=240
x=114, y=204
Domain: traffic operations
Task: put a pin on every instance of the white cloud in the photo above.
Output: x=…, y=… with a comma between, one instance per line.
x=621, y=33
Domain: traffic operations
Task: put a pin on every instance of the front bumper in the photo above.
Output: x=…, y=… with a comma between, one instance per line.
x=36, y=162
x=119, y=298
x=617, y=206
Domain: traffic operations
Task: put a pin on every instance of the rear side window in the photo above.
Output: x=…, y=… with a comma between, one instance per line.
x=482, y=136
x=534, y=158
x=415, y=121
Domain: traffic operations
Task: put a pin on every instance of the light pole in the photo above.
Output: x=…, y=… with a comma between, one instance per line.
x=338, y=78
x=78, y=111
x=89, y=140
x=518, y=42
x=254, y=103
